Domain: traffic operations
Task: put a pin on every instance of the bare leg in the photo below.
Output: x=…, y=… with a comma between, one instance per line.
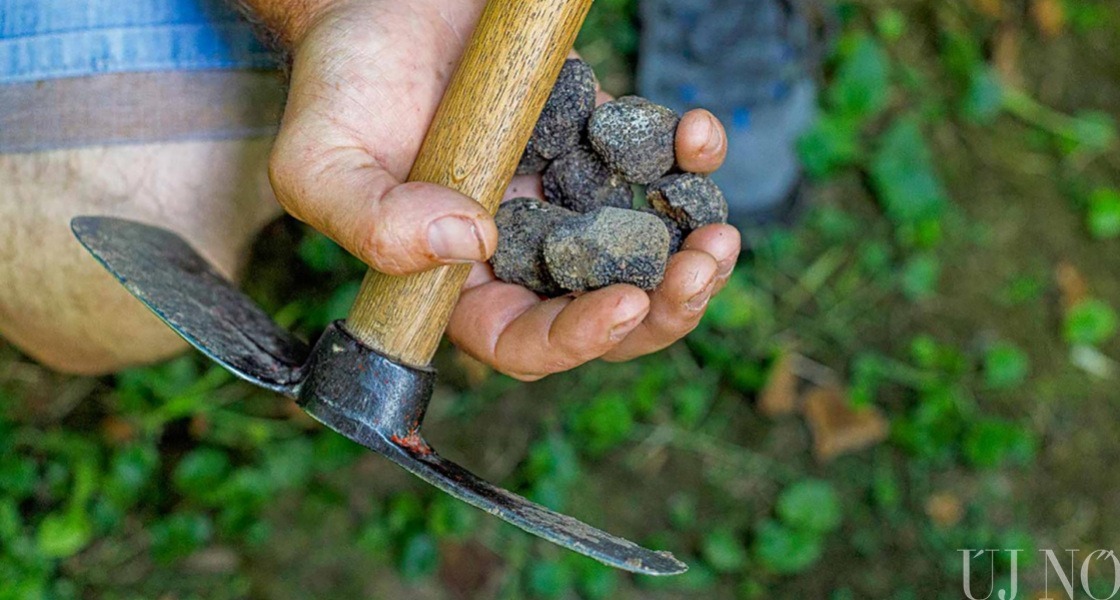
x=56, y=303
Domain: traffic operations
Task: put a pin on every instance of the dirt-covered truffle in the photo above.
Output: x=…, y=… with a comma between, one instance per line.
x=635, y=138
x=608, y=246
x=676, y=236
x=691, y=200
x=523, y=224
x=580, y=181
x=532, y=162
x=565, y=115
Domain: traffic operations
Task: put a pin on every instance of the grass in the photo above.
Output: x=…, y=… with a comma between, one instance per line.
x=957, y=272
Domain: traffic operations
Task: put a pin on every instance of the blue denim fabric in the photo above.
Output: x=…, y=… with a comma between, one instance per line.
x=47, y=39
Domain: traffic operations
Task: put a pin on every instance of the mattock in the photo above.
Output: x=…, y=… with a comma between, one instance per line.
x=369, y=378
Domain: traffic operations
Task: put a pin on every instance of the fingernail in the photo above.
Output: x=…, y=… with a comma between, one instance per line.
x=700, y=301
x=712, y=144
x=620, y=331
x=456, y=239
x=726, y=266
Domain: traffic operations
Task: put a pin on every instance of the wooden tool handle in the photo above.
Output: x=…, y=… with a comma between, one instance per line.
x=473, y=146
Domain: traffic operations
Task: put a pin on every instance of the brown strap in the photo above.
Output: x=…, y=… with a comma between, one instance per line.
x=125, y=108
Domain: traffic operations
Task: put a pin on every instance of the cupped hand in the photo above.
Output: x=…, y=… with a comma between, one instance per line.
x=367, y=78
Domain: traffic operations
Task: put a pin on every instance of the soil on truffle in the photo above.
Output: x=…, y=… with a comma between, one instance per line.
x=608, y=246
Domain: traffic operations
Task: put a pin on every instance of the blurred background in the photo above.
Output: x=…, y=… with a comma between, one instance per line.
x=926, y=362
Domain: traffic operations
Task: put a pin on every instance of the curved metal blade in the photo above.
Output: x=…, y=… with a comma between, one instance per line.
x=181, y=288
x=417, y=457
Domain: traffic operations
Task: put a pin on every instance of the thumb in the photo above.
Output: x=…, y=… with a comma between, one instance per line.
x=397, y=228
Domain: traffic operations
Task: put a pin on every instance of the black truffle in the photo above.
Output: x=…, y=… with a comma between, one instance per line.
x=523, y=224
x=608, y=246
x=564, y=117
x=676, y=236
x=635, y=138
x=532, y=162
x=579, y=181
x=691, y=200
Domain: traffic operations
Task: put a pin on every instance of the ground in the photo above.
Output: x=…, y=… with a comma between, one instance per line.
x=957, y=272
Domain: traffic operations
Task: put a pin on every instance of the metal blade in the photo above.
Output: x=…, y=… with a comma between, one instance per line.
x=380, y=404
x=186, y=292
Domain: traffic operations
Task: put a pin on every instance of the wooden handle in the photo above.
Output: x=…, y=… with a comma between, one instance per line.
x=473, y=146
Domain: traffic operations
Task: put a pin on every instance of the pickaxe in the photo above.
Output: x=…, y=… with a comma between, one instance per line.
x=369, y=378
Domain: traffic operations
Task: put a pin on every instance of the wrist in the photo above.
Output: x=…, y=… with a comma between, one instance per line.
x=285, y=21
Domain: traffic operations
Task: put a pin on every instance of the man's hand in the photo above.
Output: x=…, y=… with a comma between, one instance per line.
x=367, y=78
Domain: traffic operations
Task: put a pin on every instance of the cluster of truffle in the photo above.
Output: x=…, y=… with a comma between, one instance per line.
x=588, y=235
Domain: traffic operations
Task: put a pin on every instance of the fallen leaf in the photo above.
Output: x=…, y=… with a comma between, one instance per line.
x=1049, y=16
x=944, y=509
x=1005, y=55
x=117, y=431
x=779, y=396
x=990, y=8
x=837, y=427
x=1072, y=285
x=468, y=570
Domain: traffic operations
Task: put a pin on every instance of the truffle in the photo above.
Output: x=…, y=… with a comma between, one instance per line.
x=579, y=181
x=532, y=162
x=608, y=246
x=635, y=138
x=523, y=224
x=691, y=200
x=566, y=112
x=676, y=236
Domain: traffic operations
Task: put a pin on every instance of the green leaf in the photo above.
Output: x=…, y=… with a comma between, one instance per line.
x=1005, y=366
x=861, y=87
x=1094, y=131
x=784, y=550
x=831, y=144
x=549, y=579
x=130, y=472
x=200, y=472
x=595, y=580
x=419, y=556
x=991, y=443
x=604, y=423
x=1104, y=214
x=179, y=535
x=890, y=23
x=723, y=551
x=920, y=275
x=903, y=177
x=64, y=534
x=1090, y=322
x=983, y=101
x=18, y=474
x=448, y=517
x=810, y=505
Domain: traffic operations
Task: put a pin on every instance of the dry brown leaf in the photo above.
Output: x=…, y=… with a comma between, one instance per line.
x=1005, y=54
x=837, y=427
x=1072, y=285
x=1049, y=16
x=117, y=431
x=779, y=396
x=945, y=509
x=991, y=8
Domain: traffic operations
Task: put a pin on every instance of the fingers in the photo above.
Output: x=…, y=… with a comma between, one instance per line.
x=693, y=276
x=701, y=142
x=394, y=227
x=509, y=328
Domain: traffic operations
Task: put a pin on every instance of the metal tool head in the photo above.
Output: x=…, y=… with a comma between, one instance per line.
x=343, y=384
